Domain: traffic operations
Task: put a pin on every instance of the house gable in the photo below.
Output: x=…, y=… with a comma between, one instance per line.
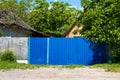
x=73, y=31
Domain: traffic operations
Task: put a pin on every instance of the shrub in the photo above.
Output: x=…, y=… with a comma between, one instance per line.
x=8, y=56
x=116, y=56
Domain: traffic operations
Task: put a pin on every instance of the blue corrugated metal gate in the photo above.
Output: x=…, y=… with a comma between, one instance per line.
x=37, y=50
x=66, y=51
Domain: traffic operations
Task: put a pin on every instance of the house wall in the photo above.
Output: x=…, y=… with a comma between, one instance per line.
x=17, y=44
x=71, y=33
x=15, y=32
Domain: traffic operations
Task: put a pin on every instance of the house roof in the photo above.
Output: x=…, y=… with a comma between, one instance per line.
x=73, y=31
x=69, y=30
x=9, y=18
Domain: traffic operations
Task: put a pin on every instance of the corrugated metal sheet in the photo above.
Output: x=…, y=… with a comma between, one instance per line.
x=66, y=51
x=37, y=50
x=63, y=51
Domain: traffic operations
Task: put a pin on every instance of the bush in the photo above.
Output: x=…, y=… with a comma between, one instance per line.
x=8, y=56
x=116, y=56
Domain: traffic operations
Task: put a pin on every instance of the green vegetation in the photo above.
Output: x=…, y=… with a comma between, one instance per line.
x=115, y=57
x=101, y=23
x=8, y=61
x=8, y=55
x=53, y=18
x=6, y=65
x=114, y=67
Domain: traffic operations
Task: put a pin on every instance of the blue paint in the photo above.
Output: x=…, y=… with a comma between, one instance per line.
x=29, y=50
x=62, y=51
x=84, y=53
x=38, y=50
x=66, y=51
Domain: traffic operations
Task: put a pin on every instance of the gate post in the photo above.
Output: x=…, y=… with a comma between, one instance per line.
x=48, y=45
x=29, y=50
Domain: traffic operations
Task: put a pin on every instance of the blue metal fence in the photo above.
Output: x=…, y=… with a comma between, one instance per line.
x=37, y=50
x=66, y=51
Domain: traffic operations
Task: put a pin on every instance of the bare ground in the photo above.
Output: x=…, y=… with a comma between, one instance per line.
x=59, y=74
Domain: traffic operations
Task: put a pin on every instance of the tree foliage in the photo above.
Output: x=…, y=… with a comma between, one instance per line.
x=53, y=18
x=101, y=21
x=19, y=7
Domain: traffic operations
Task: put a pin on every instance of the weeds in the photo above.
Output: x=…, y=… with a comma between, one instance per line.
x=7, y=55
x=115, y=67
x=6, y=65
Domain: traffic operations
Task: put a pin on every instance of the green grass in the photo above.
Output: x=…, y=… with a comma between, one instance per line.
x=6, y=65
x=114, y=67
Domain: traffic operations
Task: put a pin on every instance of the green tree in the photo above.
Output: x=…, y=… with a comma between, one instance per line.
x=101, y=22
x=19, y=7
x=52, y=18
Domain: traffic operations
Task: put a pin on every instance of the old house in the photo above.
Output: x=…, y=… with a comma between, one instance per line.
x=73, y=32
x=13, y=26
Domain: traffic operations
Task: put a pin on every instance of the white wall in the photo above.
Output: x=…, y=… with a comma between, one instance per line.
x=18, y=44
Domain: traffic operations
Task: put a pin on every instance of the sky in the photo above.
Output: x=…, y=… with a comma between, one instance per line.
x=75, y=3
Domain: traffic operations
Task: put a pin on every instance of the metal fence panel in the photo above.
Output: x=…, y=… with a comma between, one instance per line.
x=63, y=51
x=37, y=50
x=84, y=52
x=66, y=51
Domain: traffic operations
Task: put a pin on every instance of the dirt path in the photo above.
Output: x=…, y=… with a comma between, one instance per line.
x=59, y=74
